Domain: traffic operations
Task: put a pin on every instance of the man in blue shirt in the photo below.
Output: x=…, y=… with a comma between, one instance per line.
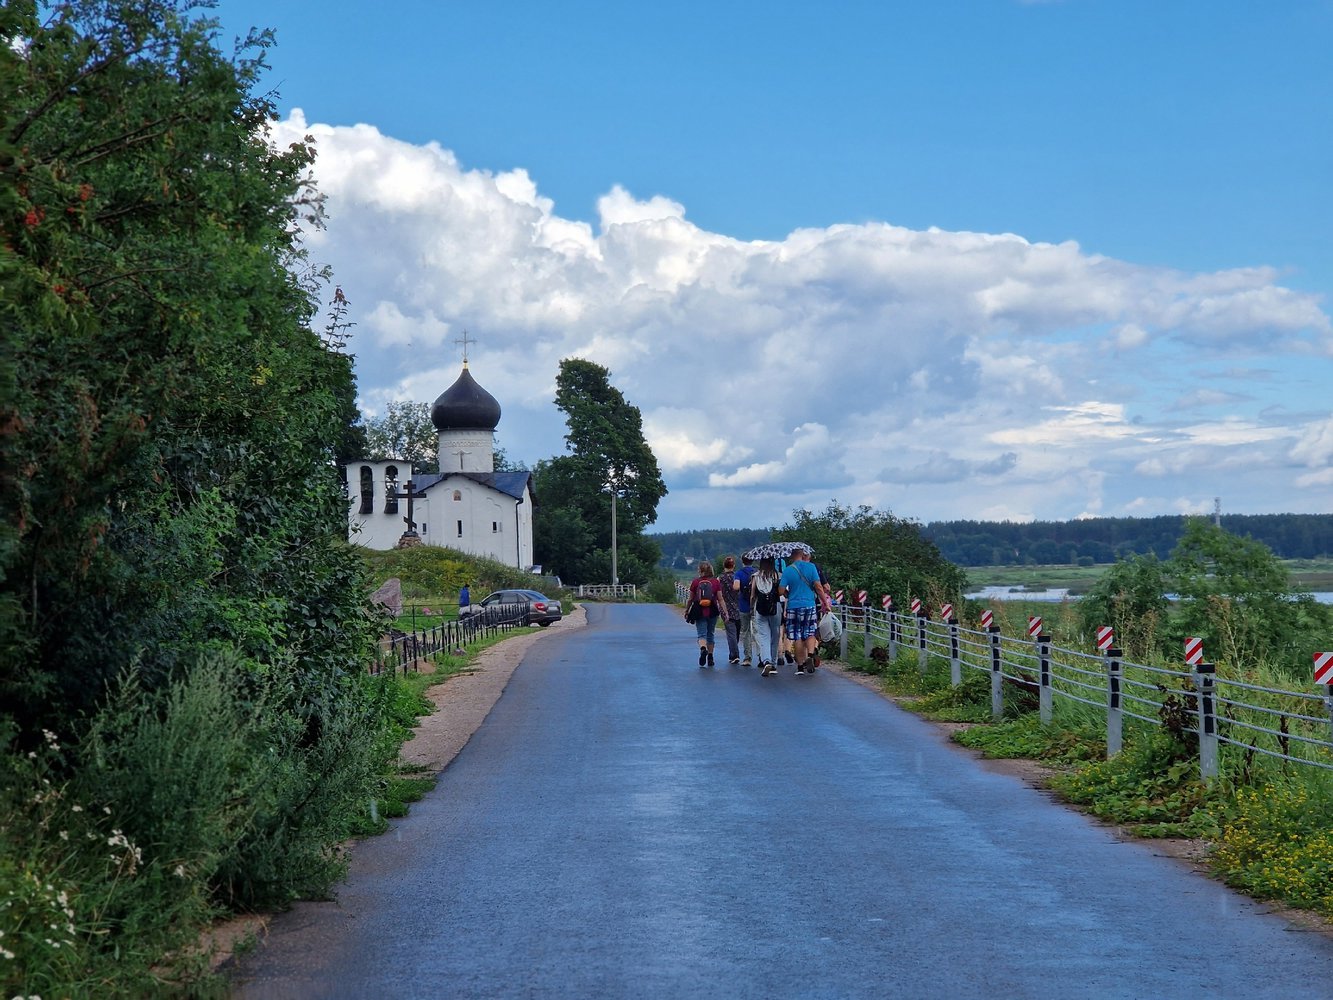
x=805, y=596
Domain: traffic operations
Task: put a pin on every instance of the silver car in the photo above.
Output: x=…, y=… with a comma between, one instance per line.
x=528, y=607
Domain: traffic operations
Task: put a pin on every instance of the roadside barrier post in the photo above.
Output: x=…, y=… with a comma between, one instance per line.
x=1323, y=676
x=1044, y=698
x=893, y=634
x=1205, y=677
x=842, y=637
x=922, y=634
x=1115, y=720
x=955, y=656
x=869, y=642
x=996, y=675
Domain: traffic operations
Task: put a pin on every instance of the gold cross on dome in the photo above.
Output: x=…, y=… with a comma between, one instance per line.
x=465, y=340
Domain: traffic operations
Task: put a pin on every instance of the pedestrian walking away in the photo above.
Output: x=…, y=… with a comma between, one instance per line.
x=805, y=597
x=704, y=609
x=765, y=616
x=731, y=611
x=742, y=588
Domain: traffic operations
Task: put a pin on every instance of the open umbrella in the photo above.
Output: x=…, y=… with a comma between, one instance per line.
x=777, y=550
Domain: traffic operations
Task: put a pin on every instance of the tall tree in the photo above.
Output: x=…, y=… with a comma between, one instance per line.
x=862, y=548
x=172, y=419
x=608, y=454
x=405, y=431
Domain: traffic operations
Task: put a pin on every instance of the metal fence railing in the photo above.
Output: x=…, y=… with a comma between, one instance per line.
x=400, y=652
x=1245, y=719
x=614, y=591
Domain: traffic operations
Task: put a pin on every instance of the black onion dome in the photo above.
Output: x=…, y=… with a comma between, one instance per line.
x=465, y=406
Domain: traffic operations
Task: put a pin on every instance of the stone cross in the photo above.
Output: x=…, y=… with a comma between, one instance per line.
x=409, y=494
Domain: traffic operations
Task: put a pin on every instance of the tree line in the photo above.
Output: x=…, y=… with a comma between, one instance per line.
x=1107, y=539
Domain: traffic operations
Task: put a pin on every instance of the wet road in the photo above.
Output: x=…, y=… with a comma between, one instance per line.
x=625, y=824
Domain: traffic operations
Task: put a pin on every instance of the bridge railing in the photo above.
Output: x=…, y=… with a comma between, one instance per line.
x=609, y=591
x=1235, y=719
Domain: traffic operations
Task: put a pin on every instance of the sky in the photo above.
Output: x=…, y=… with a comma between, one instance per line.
x=965, y=259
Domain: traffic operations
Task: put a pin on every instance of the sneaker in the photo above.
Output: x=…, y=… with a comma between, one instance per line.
x=790, y=658
x=734, y=660
x=766, y=668
x=745, y=662
x=800, y=672
x=703, y=656
x=710, y=659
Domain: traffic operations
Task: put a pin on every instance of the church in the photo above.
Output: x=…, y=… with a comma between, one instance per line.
x=467, y=505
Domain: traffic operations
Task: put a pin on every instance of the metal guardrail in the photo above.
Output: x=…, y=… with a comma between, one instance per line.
x=404, y=651
x=1250, y=719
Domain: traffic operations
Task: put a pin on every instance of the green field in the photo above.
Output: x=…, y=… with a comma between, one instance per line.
x=1308, y=574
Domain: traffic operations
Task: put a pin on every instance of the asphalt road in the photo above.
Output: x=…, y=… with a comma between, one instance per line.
x=625, y=824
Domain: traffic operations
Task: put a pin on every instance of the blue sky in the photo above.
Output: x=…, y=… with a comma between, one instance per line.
x=976, y=259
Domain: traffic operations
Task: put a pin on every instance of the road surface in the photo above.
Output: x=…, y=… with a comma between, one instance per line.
x=625, y=824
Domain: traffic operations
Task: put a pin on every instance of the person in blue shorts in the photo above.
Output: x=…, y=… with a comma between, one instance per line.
x=805, y=596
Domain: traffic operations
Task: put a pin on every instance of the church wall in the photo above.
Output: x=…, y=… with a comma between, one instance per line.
x=490, y=527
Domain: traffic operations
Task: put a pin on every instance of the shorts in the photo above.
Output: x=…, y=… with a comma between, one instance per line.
x=802, y=623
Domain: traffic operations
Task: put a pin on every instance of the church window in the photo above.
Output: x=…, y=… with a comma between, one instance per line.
x=458, y=494
x=460, y=529
x=495, y=526
x=367, y=490
x=391, y=489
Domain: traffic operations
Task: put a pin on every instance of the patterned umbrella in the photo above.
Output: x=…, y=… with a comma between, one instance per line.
x=777, y=550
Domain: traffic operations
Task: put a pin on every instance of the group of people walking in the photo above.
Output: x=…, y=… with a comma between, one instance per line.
x=769, y=613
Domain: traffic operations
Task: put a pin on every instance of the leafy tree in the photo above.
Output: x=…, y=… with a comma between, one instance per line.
x=873, y=550
x=1131, y=598
x=170, y=418
x=608, y=453
x=1237, y=594
x=405, y=432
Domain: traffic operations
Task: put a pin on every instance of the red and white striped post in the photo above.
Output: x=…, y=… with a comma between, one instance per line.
x=886, y=602
x=987, y=620
x=1205, y=682
x=1105, y=638
x=955, y=649
x=1323, y=674
x=922, y=620
x=1115, y=718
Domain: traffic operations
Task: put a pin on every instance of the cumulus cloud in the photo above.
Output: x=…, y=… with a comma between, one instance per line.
x=874, y=359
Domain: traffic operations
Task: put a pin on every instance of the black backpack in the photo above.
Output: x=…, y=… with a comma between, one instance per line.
x=765, y=602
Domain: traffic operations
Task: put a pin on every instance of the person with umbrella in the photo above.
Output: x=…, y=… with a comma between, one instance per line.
x=805, y=596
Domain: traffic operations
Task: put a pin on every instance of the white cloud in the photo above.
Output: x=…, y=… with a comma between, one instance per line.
x=882, y=362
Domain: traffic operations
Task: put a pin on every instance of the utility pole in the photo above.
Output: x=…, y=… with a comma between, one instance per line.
x=1217, y=512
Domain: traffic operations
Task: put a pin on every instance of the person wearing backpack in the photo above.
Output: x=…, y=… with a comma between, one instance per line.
x=764, y=610
x=706, y=601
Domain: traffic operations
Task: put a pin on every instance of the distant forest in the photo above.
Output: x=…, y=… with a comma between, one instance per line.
x=1106, y=539
x=1006, y=543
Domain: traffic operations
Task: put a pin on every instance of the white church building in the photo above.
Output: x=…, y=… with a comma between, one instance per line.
x=467, y=505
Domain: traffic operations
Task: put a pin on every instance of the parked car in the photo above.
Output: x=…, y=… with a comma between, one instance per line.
x=528, y=606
